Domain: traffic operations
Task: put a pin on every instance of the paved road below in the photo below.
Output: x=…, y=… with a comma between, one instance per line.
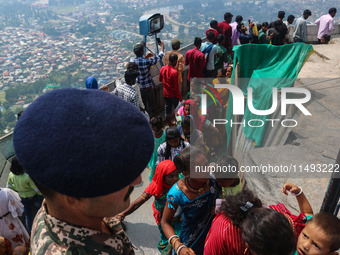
x=141, y=226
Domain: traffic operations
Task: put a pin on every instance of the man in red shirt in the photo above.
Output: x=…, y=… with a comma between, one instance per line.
x=226, y=30
x=172, y=95
x=213, y=28
x=196, y=60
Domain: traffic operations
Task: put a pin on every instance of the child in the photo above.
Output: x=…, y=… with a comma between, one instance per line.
x=159, y=134
x=321, y=236
x=18, y=180
x=229, y=180
x=190, y=134
x=229, y=73
x=166, y=176
x=172, y=95
x=174, y=145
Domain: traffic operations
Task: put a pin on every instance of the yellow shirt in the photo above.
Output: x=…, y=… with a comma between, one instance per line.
x=180, y=63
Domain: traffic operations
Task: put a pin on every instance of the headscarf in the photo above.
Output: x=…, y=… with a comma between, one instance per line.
x=199, y=120
x=156, y=187
x=91, y=83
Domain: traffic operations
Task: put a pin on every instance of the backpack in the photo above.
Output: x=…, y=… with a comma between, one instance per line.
x=208, y=49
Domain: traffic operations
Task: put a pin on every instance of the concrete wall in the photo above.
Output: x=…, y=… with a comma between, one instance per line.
x=6, y=153
x=312, y=32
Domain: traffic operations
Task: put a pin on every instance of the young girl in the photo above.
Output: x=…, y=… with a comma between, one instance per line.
x=159, y=134
x=201, y=122
x=18, y=180
x=166, y=176
x=190, y=134
x=246, y=227
x=229, y=181
x=196, y=197
x=174, y=145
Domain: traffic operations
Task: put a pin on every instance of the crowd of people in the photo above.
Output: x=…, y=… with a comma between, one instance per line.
x=79, y=153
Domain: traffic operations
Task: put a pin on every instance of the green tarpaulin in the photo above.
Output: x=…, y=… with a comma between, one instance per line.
x=262, y=67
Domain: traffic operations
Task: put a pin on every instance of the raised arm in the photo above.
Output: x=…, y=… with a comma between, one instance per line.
x=303, y=202
x=317, y=22
x=134, y=205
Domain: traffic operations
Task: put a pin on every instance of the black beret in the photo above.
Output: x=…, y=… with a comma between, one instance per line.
x=83, y=143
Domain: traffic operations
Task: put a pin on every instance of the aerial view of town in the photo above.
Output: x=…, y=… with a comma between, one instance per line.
x=48, y=44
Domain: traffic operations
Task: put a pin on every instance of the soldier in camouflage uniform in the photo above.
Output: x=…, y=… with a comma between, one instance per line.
x=53, y=236
x=76, y=146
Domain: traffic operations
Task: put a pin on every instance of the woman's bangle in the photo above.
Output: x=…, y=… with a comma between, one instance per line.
x=298, y=194
x=169, y=240
x=179, y=248
x=142, y=197
x=175, y=246
x=177, y=239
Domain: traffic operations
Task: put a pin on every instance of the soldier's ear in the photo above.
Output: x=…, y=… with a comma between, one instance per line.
x=72, y=200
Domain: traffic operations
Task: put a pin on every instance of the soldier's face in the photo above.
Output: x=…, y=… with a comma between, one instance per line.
x=111, y=204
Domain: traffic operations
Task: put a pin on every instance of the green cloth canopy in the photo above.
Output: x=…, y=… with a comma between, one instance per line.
x=262, y=67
